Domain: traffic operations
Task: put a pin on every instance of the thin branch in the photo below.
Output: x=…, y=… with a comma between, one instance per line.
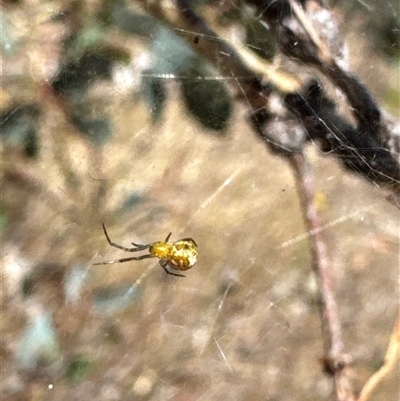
x=335, y=361
x=323, y=50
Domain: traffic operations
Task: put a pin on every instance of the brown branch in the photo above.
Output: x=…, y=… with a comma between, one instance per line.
x=335, y=361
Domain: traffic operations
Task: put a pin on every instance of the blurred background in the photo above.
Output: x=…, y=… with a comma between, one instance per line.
x=108, y=115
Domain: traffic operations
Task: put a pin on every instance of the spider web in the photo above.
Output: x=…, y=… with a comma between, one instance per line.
x=263, y=298
x=244, y=322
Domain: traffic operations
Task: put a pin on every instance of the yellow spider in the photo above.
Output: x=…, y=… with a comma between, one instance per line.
x=180, y=255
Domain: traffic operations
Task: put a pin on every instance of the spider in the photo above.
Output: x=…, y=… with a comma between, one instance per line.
x=180, y=255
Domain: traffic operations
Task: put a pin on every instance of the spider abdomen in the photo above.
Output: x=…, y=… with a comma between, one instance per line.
x=180, y=255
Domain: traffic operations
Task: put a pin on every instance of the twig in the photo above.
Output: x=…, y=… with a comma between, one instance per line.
x=335, y=361
x=323, y=50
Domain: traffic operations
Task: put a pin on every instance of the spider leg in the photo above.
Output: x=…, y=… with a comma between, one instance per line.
x=189, y=239
x=140, y=247
x=164, y=264
x=124, y=260
x=136, y=249
x=166, y=239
